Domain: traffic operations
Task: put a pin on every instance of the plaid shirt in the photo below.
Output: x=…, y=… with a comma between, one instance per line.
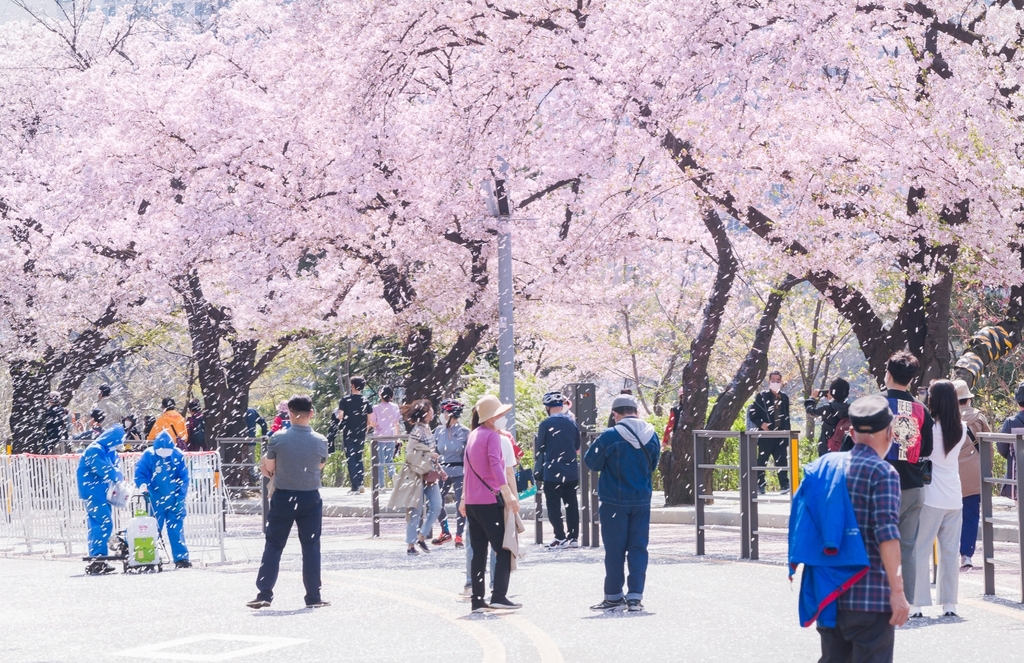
x=874, y=487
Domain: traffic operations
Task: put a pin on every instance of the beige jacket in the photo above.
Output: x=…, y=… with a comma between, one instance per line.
x=408, y=492
x=513, y=528
x=970, y=459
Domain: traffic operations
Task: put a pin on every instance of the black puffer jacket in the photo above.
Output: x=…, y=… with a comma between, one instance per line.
x=831, y=413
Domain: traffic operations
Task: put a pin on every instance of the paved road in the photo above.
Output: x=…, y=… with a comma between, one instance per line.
x=388, y=607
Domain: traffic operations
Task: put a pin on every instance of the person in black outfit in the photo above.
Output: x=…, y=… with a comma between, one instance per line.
x=354, y=414
x=55, y=421
x=770, y=411
x=832, y=411
x=557, y=463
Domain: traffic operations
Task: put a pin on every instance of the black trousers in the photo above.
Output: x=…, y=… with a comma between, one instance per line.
x=354, y=445
x=776, y=450
x=554, y=495
x=858, y=637
x=487, y=527
x=306, y=510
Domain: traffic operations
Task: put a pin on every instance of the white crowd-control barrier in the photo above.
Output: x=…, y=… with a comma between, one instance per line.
x=41, y=510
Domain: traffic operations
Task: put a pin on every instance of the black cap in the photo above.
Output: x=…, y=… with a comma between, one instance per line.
x=1020, y=394
x=870, y=414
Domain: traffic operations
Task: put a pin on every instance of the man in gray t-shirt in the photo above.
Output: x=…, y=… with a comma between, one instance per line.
x=294, y=459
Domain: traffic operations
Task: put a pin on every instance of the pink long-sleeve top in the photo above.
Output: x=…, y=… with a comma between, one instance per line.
x=483, y=463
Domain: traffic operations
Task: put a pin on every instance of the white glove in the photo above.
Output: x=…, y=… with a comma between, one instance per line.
x=117, y=495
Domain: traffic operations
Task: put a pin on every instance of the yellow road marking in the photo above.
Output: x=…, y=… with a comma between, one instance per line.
x=995, y=608
x=542, y=642
x=494, y=651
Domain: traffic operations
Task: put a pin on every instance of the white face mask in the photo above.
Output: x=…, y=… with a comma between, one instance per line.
x=163, y=453
x=776, y=387
x=501, y=422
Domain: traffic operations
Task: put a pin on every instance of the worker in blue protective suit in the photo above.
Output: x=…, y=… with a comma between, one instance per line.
x=164, y=472
x=99, y=471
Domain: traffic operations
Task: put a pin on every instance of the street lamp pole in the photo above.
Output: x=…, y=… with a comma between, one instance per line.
x=500, y=208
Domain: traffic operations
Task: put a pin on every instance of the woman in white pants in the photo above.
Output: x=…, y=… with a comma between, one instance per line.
x=942, y=513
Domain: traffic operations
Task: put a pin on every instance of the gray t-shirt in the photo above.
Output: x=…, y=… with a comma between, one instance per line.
x=298, y=451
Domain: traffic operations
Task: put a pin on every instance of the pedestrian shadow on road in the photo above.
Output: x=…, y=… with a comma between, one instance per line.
x=265, y=612
x=620, y=614
x=925, y=622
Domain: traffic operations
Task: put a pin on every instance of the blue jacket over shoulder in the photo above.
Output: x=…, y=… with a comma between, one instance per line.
x=825, y=538
x=625, y=463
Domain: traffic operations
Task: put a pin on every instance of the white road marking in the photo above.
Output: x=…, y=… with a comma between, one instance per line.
x=262, y=644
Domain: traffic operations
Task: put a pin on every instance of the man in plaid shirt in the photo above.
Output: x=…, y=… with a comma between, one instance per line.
x=870, y=610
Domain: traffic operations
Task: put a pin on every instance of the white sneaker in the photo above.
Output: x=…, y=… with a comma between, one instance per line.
x=966, y=563
x=573, y=543
x=557, y=544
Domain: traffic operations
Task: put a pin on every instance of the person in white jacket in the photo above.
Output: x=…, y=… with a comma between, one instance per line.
x=942, y=513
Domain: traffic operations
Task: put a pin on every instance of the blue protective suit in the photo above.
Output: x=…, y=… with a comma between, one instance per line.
x=824, y=536
x=167, y=481
x=98, y=469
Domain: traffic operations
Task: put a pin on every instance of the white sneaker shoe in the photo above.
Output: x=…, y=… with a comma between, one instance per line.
x=557, y=544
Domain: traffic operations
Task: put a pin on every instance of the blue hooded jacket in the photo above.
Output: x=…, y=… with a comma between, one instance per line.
x=626, y=455
x=824, y=536
x=166, y=478
x=99, y=466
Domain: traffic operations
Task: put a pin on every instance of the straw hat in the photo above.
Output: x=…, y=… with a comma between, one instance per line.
x=489, y=407
x=963, y=392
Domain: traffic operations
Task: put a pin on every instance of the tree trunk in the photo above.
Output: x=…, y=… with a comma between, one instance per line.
x=750, y=374
x=225, y=382
x=677, y=469
x=434, y=380
x=31, y=385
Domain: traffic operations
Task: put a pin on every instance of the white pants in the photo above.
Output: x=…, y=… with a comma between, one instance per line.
x=943, y=524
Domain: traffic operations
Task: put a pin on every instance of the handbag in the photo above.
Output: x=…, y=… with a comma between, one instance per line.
x=926, y=471
x=497, y=493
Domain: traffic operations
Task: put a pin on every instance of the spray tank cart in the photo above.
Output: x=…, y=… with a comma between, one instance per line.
x=139, y=546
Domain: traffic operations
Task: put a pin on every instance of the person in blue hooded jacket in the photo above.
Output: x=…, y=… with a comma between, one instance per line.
x=164, y=472
x=626, y=455
x=99, y=470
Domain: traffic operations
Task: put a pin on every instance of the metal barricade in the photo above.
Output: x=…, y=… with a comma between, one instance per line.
x=750, y=495
x=988, y=519
x=375, y=487
x=42, y=508
x=701, y=462
x=243, y=477
x=590, y=521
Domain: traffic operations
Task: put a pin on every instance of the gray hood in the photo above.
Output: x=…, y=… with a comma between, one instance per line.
x=636, y=431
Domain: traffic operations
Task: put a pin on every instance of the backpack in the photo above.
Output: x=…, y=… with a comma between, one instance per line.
x=843, y=428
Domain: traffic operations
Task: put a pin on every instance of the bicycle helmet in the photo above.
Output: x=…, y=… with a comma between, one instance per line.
x=452, y=407
x=553, y=399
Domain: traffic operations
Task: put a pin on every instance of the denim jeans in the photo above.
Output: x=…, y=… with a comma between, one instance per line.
x=969, y=531
x=386, y=454
x=626, y=532
x=432, y=504
x=452, y=484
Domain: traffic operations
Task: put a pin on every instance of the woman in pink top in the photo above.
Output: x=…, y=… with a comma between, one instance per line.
x=485, y=479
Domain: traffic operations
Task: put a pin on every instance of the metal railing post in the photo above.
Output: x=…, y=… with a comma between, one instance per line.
x=698, y=490
x=752, y=496
x=746, y=530
x=375, y=486
x=794, y=463
x=585, y=515
x=595, y=513
x=987, y=528
x=1019, y=446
